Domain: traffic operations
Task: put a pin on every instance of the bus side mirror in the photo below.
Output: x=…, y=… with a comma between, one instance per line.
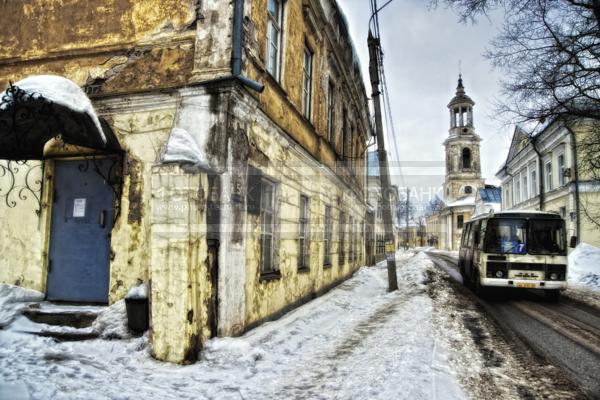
x=573, y=242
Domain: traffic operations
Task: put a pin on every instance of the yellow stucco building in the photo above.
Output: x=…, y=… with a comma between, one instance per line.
x=225, y=168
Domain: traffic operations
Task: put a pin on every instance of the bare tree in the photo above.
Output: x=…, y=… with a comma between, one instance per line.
x=550, y=53
x=434, y=206
x=403, y=209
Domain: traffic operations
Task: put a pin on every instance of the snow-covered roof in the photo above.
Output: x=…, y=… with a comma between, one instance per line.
x=64, y=92
x=465, y=201
x=51, y=106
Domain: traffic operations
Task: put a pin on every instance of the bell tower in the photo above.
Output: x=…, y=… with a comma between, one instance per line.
x=463, y=167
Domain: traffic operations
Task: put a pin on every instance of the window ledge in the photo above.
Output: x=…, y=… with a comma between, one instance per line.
x=270, y=276
x=303, y=270
x=326, y=266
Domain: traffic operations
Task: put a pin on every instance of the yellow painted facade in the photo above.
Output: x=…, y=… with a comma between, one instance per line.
x=153, y=66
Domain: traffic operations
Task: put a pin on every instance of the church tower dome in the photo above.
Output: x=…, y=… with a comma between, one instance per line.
x=463, y=167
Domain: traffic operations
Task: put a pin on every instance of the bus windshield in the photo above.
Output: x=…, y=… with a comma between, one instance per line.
x=521, y=236
x=546, y=237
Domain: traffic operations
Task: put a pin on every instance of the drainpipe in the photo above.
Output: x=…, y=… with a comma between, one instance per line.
x=576, y=179
x=236, y=57
x=540, y=172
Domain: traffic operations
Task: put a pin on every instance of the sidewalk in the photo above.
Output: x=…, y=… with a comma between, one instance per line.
x=357, y=341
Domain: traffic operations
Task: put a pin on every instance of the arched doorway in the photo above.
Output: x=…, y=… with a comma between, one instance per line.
x=50, y=119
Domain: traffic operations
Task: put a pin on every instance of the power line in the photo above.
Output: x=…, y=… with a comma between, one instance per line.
x=391, y=131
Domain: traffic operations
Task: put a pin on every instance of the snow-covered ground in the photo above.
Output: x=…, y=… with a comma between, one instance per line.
x=355, y=342
x=584, y=266
x=584, y=274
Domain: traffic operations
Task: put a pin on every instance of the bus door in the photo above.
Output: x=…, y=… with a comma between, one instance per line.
x=463, y=253
x=475, y=247
x=471, y=262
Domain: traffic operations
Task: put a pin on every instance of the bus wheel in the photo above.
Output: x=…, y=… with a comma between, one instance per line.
x=552, y=295
x=479, y=290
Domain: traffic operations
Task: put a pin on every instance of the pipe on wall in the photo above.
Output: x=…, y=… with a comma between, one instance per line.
x=236, y=57
x=576, y=179
x=540, y=171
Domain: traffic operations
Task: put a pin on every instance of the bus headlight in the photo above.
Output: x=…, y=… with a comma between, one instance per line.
x=499, y=274
x=553, y=276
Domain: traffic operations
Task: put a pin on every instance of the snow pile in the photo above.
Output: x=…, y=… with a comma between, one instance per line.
x=111, y=323
x=138, y=292
x=13, y=299
x=64, y=92
x=182, y=148
x=584, y=266
x=227, y=351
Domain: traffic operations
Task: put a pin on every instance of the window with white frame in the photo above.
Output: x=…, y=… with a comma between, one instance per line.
x=307, y=78
x=563, y=212
x=274, y=33
x=303, y=234
x=331, y=112
x=327, y=237
x=267, y=207
x=351, y=239
x=534, y=183
x=548, y=177
x=561, y=170
x=524, y=186
x=342, y=239
x=517, y=189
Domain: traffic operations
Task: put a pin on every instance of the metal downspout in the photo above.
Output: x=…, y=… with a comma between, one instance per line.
x=540, y=173
x=236, y=56
x=576, y=178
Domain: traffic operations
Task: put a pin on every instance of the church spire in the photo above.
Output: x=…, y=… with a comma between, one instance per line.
x=461, y=111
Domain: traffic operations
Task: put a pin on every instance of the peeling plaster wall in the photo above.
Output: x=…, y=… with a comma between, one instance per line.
x=140, y=62
x=142, y=125
x=180, y=284
x=116, y=46
x=86, y=24
x=22, y=237
x=295, y=172
x=308, y=22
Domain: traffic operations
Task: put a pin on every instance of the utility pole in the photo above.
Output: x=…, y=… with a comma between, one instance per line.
x=407, y=214
x=384, y=173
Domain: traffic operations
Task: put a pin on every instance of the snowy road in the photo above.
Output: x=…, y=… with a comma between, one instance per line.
x=566, y=333
x=356, y=342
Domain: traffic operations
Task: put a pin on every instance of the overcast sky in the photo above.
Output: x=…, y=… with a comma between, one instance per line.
x=422, y=51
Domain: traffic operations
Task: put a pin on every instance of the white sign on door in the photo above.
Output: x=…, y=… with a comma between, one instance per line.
x=79, y=208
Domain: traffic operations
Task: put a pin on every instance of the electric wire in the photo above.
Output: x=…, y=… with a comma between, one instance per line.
x=374, y=26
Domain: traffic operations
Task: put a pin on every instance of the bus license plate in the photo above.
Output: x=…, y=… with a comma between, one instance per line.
x=526, y=285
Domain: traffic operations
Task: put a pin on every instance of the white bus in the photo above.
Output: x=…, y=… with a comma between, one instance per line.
x=515, y=249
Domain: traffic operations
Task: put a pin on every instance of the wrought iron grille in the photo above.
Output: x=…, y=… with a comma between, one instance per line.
x=21, y=181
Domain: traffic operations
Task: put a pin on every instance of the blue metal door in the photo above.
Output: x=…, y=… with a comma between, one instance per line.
x=82, y=215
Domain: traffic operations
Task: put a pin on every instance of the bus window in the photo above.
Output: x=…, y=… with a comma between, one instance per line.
x=506, y=236
x=482, y=233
